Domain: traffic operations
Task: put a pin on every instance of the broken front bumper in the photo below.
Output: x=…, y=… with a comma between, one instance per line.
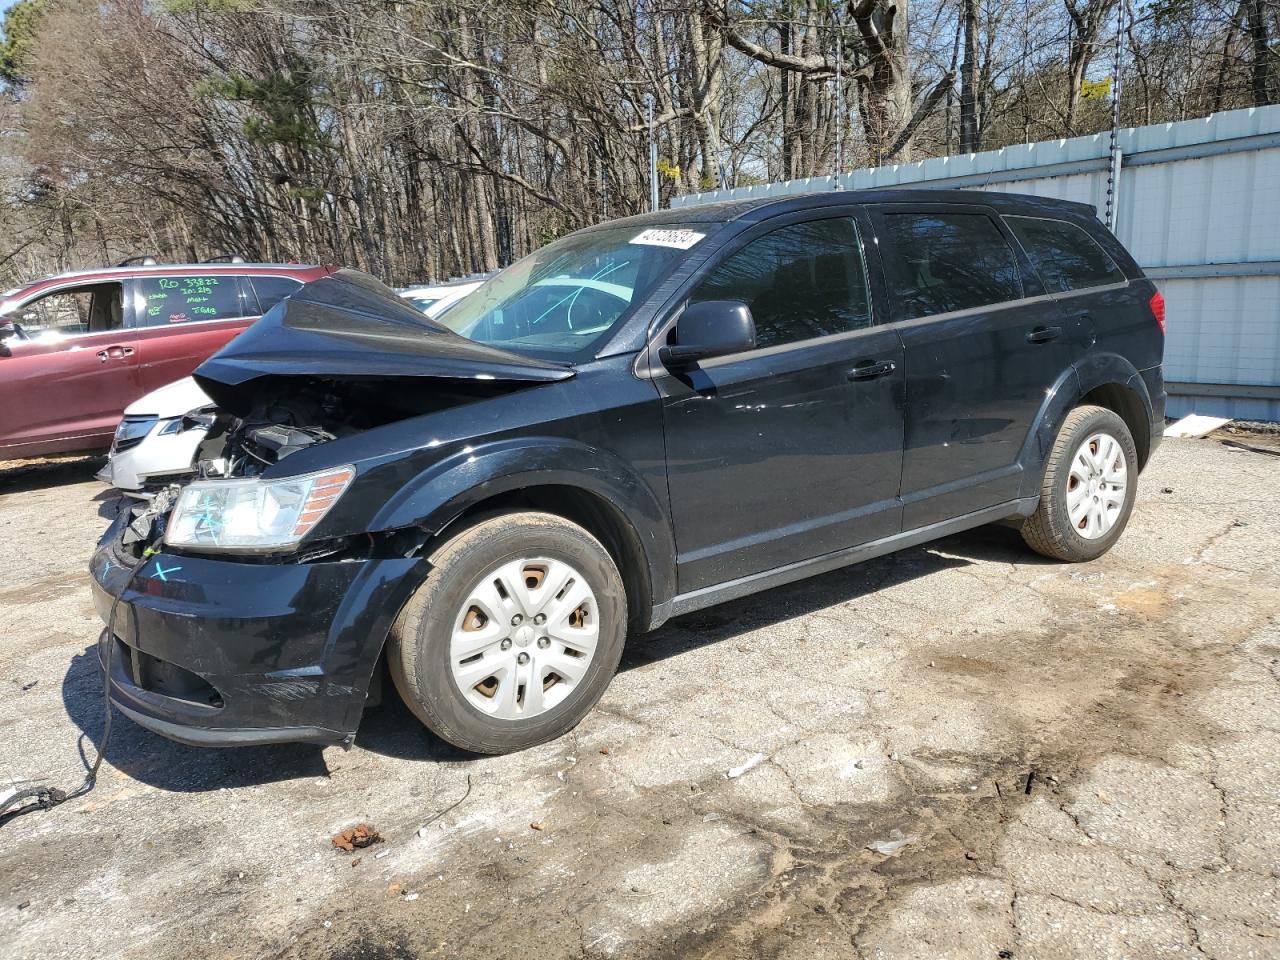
x=221, y=652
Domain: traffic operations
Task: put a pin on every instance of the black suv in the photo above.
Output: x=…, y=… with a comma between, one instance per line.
x=641, y=419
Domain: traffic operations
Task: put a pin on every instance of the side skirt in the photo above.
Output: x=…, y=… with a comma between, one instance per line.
x=756, y=582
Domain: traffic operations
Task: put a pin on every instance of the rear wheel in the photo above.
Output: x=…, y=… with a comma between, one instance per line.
x=514, y=636
x=1090, y=483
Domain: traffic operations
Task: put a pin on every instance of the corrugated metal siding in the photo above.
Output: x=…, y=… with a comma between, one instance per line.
x=1221, y=205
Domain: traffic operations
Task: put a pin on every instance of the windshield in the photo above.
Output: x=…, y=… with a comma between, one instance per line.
x=563, y=301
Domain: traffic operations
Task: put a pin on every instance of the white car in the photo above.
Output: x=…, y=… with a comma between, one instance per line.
x=158, y=437
x=436, y=299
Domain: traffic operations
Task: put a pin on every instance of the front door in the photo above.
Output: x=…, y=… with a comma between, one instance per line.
x=65, y=382
x=794, y=449
x=984, y=346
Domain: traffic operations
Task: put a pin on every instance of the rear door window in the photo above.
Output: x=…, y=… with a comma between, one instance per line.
x=940, y=262
x=1066, y=257
x=801, y=281
x=189, y=299
x=271, y=290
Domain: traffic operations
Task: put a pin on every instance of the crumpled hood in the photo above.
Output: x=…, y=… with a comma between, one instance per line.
x=350, y=326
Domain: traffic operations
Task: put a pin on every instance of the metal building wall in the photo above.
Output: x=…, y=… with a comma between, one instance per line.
x=1199, y=209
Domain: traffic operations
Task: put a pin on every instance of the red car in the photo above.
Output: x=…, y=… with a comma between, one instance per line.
x=77, y=348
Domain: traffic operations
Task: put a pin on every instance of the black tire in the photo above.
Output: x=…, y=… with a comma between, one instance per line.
x=1050, y=531
x=418, y=650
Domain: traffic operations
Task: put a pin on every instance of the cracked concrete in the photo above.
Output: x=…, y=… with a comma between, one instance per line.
x=1084, y=760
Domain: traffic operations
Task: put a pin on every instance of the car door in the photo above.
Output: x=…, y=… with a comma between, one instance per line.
x=184, y=319
x=791, y=450
x=65, y=381
x=984, y=346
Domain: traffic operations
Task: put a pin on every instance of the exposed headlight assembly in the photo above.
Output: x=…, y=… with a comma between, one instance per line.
x=253, y=515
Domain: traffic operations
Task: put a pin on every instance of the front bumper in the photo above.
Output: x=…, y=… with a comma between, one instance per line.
x=217, y=652
x=154, y=458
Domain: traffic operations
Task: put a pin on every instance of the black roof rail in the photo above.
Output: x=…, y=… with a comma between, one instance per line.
x=225, y=258
x=142, y=260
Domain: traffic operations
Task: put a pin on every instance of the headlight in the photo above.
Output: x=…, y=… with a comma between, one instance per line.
x=249, y=515
x=132, y=429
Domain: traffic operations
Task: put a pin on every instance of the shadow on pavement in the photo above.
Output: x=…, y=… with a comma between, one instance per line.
x=392, y=730
x=21, y=476
x=153, y=760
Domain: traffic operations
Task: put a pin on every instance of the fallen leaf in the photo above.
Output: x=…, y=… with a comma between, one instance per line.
x=356, y=861
x=538, y=825
x=605, y=751
x=357, y=837
x=394, y=889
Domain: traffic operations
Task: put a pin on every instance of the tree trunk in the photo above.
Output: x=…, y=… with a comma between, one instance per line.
x=969, y=80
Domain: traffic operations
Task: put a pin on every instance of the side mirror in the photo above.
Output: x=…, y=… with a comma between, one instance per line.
x=713, y=328
x=7, y=332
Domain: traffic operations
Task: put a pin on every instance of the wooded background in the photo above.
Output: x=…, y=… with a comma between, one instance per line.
x=429, y=138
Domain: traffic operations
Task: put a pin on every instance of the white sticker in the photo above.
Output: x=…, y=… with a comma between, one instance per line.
x=677, y=239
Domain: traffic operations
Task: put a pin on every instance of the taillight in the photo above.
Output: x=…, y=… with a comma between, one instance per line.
x=1157, y=308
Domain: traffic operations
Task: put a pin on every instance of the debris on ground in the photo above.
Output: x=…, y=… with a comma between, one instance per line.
x=422, y=830
x=1194, y=426
x=894, y=845
x=356, y=838
x=28, y=686
x=604, y=751
x=735, y=772
x=537, y=825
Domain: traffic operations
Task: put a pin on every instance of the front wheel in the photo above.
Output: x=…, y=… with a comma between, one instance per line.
x=514, y=636
x=1090, y=483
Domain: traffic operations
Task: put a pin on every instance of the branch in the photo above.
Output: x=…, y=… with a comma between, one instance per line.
x=922, y=111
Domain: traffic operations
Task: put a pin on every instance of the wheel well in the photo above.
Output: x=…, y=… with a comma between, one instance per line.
x=598, y=516
x=1127, y=405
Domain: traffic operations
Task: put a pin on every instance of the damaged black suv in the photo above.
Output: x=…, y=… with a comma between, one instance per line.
x=642, y=419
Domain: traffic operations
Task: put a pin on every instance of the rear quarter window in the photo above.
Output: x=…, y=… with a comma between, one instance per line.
x=271, y=290
x=173, y=300
x=1065, y=256
x=942, y=262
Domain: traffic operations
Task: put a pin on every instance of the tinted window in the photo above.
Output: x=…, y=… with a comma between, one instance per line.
x=802, y=281
x=185, y=299
x=271, y=290
x=1066, y=257
x=949, y=261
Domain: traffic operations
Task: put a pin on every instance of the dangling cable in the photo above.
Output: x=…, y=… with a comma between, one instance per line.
x=46, y=798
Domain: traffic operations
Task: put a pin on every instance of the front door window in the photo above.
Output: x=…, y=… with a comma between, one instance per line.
x=67, y=313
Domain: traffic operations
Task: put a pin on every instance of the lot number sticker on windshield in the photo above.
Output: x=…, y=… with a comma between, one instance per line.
x=677, y=239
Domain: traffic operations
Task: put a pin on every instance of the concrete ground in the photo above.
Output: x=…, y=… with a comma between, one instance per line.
x=967, y=751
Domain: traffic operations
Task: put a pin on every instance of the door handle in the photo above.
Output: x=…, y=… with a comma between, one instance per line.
x=1044, y=334
x=115, y=352
x=871, y=371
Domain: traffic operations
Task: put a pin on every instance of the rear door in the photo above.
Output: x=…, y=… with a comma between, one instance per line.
x=984, y=346
x=64, y=384
x=185, y=319
x=792, y=450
